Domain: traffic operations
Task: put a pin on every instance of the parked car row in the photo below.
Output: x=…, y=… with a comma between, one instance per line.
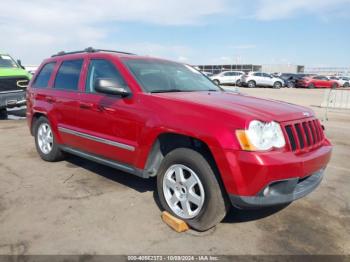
x=257, y=79
x=251, y=79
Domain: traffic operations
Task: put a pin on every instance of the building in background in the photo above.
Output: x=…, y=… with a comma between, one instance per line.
x=215, y=69
x=283, y=68
x=328, y=70
x=286, y=68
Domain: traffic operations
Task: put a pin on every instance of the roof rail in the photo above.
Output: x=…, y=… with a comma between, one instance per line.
x=90, y=50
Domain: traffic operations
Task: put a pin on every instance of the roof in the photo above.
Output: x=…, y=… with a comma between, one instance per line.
x=90, y=50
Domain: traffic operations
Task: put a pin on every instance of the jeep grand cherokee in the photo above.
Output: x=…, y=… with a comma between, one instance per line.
x=209, y=149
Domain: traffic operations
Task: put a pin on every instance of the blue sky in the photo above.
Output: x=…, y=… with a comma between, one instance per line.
x=312, y=33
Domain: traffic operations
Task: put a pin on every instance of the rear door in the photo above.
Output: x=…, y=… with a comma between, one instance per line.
x=317, y=81
x=226, y=78
x=266, y=79
x=327, y=82
x=65, y=98
x=258, y=79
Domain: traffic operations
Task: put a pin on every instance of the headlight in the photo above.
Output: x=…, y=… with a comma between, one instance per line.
x=261, y=136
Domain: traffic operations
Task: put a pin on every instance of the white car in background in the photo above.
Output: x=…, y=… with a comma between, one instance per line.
x=254, y=79
x=227, y=77
x=341, y=80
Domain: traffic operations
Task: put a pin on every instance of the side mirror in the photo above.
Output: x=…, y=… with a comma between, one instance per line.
x=19, y=62
x=111, y=87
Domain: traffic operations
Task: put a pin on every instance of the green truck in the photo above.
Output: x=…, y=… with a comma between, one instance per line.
x=13, y=83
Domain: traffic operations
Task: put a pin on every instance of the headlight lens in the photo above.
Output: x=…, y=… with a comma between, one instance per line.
x=261, y=136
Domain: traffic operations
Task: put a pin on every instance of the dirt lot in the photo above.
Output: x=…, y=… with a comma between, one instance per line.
x=79, y=207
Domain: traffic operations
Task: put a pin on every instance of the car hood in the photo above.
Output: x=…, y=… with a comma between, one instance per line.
x=8, y=72
x=244, y=106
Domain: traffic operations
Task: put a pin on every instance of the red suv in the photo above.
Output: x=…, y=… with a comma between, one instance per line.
x=317, y=81
x=150, y=117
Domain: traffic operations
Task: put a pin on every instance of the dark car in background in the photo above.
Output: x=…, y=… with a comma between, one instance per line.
x=291, y=79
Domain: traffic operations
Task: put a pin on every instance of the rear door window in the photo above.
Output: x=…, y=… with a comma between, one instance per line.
x=68, y=75
x=42, y=79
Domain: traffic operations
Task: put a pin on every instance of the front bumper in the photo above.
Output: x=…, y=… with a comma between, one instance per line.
x=12, y=99
x=280, y=192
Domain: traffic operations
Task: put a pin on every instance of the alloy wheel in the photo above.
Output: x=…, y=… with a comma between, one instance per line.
x=183, y=191
x=45, y=138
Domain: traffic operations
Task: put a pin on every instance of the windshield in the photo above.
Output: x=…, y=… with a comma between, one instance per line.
x=7, y=61
x=158, y=76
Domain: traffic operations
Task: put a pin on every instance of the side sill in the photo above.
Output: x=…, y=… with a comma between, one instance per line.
x=111, y=163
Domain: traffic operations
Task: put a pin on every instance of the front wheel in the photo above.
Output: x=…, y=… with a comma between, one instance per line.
x=188, y=189
x=216, y=82
x=346, y=84
x=291, y=85
x=277, y=85
x=311, y=86
x=251, y=84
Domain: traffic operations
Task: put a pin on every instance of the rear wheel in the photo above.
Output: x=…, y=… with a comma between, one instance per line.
x=188, y=189
x=251, y=84
x=311, y=86
x=45, y=141
x=277, y=85
x=216, y=82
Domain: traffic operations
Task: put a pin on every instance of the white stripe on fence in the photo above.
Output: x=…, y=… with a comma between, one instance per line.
x=336, y=98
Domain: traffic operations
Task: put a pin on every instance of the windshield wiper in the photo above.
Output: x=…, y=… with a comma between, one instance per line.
x=168, y=90
x=181, y=90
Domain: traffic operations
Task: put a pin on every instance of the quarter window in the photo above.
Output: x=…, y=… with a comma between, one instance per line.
x=100, y=68
x=68, y=75
x=42, y=80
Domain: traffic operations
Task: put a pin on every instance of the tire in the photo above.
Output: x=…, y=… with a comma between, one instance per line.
x=251, y=84
x=311, y=86
x=211, y=207
x=3, y=113
x=291, y=85
x=277, y=85
x=52, y=153
x=334, y=86
x=346, y=84
x=216, y=82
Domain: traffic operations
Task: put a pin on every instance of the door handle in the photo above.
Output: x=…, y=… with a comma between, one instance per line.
x=84, y=105
x=91, y=106
x=50, y=99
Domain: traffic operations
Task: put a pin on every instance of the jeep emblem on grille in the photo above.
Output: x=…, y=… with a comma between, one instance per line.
x=306, y=114
x=22, y=83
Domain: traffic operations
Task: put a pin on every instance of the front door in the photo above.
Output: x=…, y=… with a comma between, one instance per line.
x=107, y=124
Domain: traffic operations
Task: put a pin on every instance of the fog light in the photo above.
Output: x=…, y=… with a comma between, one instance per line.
x=266, y=191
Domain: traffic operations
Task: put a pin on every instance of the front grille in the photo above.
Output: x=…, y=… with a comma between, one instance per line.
x=13, y=83
x=304, y=135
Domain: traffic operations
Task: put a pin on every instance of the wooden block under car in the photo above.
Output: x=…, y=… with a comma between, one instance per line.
x=177, y=224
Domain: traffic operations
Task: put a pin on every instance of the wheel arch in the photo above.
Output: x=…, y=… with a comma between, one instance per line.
x=167, y=141
x=35, y=117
